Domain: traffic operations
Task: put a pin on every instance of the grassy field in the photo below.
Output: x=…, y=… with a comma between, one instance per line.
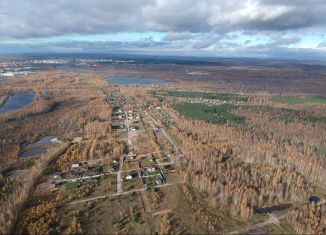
x=204, y=95
x=299, y=100
x=219, y=114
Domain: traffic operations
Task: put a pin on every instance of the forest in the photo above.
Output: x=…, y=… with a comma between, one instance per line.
x=204, y=95
x=219, y=114
x=284, y=163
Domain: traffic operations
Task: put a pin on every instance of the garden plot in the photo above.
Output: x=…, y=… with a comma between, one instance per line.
x=144, y=143
x=131, y=181
x=130, y=164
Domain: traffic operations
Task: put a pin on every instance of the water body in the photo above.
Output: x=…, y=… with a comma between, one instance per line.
x=39, y=147
x=34, y=152
x=47, y=140
x=130, y=80
x=17, y=101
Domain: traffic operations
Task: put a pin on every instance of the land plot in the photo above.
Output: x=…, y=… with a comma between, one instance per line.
x=144, y=143
x=172, y=177
x=131, y=183
x=123, y=214
x=146, y=123
x=137, y=126
x=130, y=164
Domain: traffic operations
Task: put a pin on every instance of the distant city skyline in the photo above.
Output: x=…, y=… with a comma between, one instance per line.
x=250, y=28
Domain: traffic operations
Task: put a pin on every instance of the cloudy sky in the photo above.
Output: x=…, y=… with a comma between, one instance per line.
x=264, y=28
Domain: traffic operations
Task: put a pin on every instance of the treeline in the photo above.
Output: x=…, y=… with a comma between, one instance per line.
x=308, y=219
x=75, y=153
x=43, y=218
x=204, y=95
x=218, y=114
x=240, y=188
x=271, y=141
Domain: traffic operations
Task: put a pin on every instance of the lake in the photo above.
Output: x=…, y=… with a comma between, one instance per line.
x=17, y=101
x=130, y=80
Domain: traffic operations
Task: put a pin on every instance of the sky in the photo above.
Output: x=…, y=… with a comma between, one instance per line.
x=225, y=28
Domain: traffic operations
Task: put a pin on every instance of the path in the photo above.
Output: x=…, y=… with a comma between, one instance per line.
x=122, y=193
x=119, y=178
x=146, y=203
x=129, y=144
x=81, y=178
x=272, y=220
x=163, y=131
x=162, y=212
x=92, y=149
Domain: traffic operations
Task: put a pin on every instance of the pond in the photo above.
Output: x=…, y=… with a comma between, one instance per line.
x=34, y=152
x=17, y=101
x=47, y=140
x=39, y=147
x=130, y=80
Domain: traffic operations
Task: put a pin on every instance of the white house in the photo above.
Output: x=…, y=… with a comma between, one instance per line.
x=128, y=177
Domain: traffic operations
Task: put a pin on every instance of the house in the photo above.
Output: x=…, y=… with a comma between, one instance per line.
x=77, y=140
x=128, y=177
x=56, y=176
x=132, y=155
x=74, y=165
x=151, y=169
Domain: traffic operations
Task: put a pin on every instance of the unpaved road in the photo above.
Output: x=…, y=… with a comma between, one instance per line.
x=119, y=178
x=118, y=194
x=163, y=131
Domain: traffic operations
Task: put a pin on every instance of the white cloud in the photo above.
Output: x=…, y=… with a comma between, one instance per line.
x=186, y=24
x=33, y=18
x=177, y=36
